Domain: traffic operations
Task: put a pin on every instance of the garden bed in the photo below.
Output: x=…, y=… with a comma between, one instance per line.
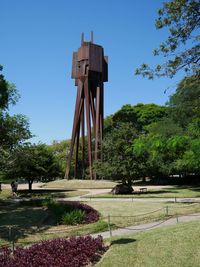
x=30, y=221
x=72, y=252
x=71, y=212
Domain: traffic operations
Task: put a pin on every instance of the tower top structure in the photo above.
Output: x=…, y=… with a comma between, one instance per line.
x=89, y=60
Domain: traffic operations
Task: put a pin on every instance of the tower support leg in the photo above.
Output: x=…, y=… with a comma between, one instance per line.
x=79, y=102
x=88, y=122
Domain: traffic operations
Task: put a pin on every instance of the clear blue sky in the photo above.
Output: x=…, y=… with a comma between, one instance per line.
x=37, y=41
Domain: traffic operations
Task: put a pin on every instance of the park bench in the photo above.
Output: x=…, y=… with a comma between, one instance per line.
x=143, y=190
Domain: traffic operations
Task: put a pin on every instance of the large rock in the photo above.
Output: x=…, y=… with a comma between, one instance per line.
x=122, y=189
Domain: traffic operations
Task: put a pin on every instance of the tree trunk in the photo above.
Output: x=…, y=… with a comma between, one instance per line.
x=123, y=180
x=30, y=182
x=129, y=181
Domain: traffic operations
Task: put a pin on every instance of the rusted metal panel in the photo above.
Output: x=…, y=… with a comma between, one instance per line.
x=83, y=51
x=105, y=69
x=95, y=58
x=75, y=69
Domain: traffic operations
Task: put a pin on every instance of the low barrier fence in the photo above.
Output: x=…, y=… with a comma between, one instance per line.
x=162, y=215
x=138, y=222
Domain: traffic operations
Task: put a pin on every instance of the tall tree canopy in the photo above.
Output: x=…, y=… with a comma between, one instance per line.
x=139, y=115
x=155, y=141
x=185, y=102
x=34, y=162
x=181, y=50
x=117, y=157
x=14, y=130
x=8, y=92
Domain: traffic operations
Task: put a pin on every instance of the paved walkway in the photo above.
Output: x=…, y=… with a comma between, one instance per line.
x=130, y=229
x=181, y=200
x=92, y=192
x=148, y=226
x=87, y=198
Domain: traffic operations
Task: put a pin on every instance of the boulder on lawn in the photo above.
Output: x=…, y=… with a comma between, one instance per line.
x=122, y=189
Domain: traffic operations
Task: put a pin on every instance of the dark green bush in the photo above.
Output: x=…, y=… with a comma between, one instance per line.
x=74, y=217
x=57, y=209
x=71, y=212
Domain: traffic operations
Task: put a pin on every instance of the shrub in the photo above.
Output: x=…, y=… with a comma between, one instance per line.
x=74, y=217
x=91, y=215
x=71, y=211
x=56, y=208
x=72, y=252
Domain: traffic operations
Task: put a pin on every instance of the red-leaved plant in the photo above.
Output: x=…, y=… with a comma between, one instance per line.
x=91, y=215
x=60, y=208
x=72, y=252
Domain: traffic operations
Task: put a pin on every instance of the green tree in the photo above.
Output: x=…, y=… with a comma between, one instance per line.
x=140, y=151
x=8, y=93
x=61, y=151
x=166, y=127
x=34, y=162
x=181, y=50
x=140, y=115
x=14, y=130
x=185, y=102
x=117, y=157
x=150, y=154
x=155, y=155
x=189, y=163
x=193, y=129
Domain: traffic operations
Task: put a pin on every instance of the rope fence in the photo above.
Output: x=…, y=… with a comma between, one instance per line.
x=188, y=205
x=138, y=215
x=10, y=234
x=166, y=214
x=148, y=227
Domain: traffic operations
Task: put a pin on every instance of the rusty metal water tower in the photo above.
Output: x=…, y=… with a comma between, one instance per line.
x=90, y=71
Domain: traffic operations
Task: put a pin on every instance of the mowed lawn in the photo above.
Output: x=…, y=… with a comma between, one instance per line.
x=80, y=184
x=5, y=193
x=29, y=223
x=32, y=223
x=123, y=213
x=158, y=192
x=172, y=246
x=41, y=193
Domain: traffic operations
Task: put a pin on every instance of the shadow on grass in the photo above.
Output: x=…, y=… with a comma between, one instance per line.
x=156, y=192
x=196, y=189
x=43, y=192
x=18, y=221
x=40, y=191
x=193, y=188
x=175, y=190
x=123, y=241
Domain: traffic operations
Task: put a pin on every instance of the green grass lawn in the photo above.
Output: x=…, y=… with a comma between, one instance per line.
x=32, y=223
x=171, y=192
x=172, y=246
x=80, y=184
x=46, y=193
x=5, y=193
x=42, y=193
x=134, y=213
